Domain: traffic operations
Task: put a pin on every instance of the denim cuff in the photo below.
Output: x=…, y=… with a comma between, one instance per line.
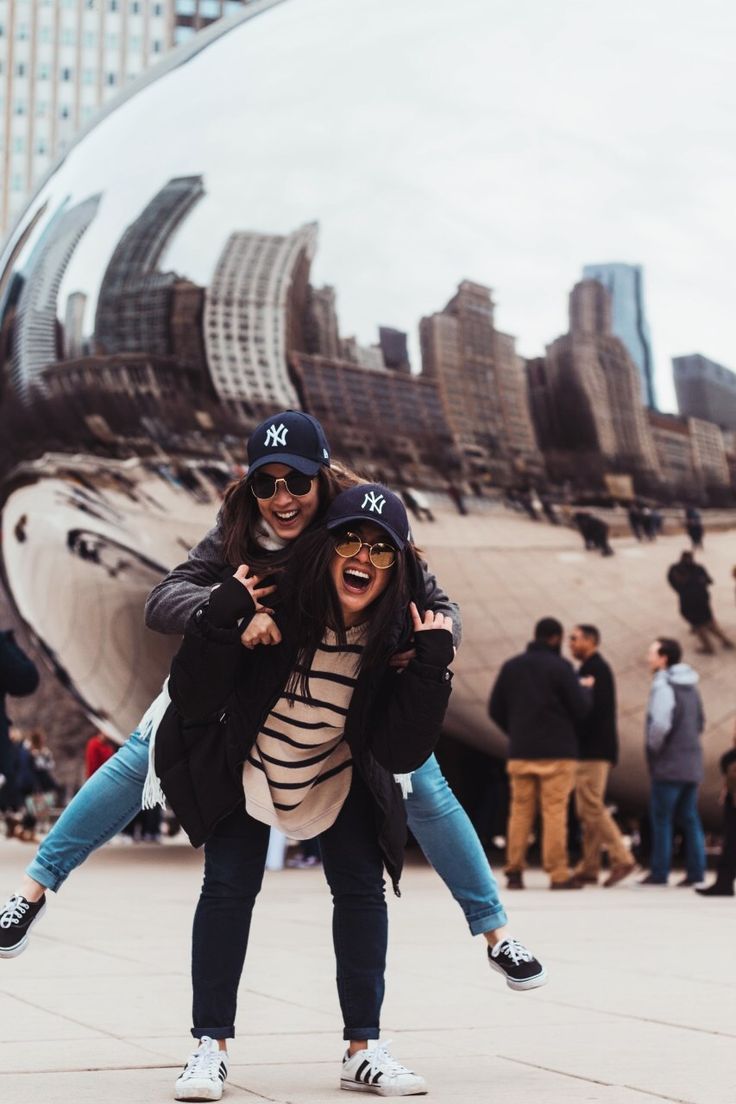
x=360, y=1033
x=49, y=879
x=489, y=921
x=214, y=1032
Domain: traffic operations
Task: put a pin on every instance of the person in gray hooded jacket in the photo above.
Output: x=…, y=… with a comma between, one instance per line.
x=674, y=725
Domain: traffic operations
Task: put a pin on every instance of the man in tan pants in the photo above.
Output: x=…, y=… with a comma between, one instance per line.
x=537, y=700
x=598, y=752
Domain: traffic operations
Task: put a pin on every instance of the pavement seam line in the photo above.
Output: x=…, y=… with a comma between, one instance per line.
x=596, y=1080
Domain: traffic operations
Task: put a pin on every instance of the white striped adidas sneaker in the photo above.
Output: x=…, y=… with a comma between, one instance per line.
x=374, y=1070
x=203, y=1077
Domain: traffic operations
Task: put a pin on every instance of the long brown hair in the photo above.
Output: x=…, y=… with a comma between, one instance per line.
x=241, y=521
x=309, y=596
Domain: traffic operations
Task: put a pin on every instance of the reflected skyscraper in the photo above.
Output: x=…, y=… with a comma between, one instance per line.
x=705, y=389
x=135, y=298
x=625, y=282
x=76, y=305
x=481, y=382
x=254, y=317
x=36, y=338
x=592, y=383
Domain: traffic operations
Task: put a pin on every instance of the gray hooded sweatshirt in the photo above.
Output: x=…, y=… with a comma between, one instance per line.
x=675, y=721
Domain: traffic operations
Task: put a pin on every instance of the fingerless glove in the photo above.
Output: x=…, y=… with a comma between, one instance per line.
x=228, y=603
x=434, y=647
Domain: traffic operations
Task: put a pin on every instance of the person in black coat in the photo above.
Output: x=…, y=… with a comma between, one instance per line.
x=311, y=730
x=18, y=677
x=726, y=876
x=691, y=581
x=537, y=700
x=598, y=753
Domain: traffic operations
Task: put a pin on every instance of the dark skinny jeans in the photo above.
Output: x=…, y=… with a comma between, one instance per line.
x=235, y=856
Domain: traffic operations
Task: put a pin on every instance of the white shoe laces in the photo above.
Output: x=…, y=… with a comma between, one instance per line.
x=14, y=911
x=515, y=950
x=380, y=1061
x=203, y=1062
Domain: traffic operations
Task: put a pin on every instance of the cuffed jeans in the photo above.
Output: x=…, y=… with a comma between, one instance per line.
x=235, y=857
x=103, y=806
x=676, y=803
x=445, y=834
x=112, y=796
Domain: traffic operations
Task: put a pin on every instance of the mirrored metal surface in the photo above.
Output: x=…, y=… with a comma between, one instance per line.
x=228, y=241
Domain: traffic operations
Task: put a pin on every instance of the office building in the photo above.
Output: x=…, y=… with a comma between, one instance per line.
x=61, y=61
x=625, y=282
x=594, y=388
x=482, y=386
x=134, y=303
x=254, y=317
x=705, y=389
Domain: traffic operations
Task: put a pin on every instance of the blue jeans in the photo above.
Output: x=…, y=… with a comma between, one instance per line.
x=105, y=804
x=676, y=803
x=235, y=857
x=112, y=796
x=443, y=830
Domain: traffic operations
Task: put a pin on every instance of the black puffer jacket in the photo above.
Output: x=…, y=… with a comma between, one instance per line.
x=222, y=692
x=537, y=701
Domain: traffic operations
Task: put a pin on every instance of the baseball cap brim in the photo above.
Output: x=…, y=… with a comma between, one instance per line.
x=341, y=522
x=298, y=463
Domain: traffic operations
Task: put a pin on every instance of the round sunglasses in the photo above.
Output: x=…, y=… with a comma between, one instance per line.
x=381, y=555
x=265, y=486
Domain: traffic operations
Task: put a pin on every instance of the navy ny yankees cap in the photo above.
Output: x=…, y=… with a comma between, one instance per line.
x=371, y=502
x=291, y=437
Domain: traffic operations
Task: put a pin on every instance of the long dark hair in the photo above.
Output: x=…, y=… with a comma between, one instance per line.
x=241, y=520
x=311, y=600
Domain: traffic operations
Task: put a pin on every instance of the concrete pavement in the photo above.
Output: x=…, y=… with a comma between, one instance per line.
x=640, y=1002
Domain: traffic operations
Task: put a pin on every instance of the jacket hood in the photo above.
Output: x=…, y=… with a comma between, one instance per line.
x=681, y=674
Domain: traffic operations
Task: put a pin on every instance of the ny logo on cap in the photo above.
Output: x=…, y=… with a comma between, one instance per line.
x=276, y=435
x=373, y=502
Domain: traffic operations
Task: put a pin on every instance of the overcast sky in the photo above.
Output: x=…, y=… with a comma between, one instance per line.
x=506, y=141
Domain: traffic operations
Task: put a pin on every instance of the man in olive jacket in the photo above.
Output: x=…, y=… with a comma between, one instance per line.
x=537, y=700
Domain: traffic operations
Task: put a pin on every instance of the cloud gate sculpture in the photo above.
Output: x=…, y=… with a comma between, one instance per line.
x=267, y=212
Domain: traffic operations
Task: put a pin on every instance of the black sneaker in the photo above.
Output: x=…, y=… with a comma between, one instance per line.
x=520, y=967
x=16, y=921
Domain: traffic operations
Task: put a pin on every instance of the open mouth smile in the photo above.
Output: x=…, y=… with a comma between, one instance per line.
x=285, y=516
x=355, y=580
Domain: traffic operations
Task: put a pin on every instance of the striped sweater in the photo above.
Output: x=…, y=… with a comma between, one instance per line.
x=299, y=770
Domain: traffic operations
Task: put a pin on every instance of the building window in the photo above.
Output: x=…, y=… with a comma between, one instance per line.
x=23, y=32
x=135, y=7
x=20, y=69
x=64, y=113
x=157, y=46
x=209, y=9
x=66, y=74
x=20, y=107
x=112, y=79
x=88, y=76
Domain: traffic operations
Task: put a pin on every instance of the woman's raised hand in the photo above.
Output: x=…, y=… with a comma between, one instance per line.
x=252, y=583
x=261, y=629
x=431, y=620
